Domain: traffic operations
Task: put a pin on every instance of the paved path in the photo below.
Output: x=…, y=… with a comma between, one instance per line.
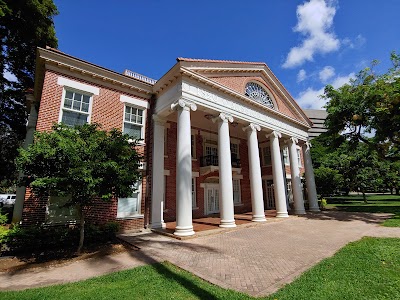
x=257, y=260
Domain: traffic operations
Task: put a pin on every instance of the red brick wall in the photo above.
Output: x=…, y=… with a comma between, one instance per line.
x=107, y=110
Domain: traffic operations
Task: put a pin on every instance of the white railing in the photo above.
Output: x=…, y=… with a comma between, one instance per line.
x=139, y=76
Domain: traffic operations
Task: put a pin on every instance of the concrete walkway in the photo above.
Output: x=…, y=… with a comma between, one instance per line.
x=256, y=260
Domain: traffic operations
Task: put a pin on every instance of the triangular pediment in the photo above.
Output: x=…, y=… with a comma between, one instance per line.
x=236, y=75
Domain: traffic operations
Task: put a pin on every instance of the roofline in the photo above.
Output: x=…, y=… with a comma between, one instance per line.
x=92, y=64
x=219, y=61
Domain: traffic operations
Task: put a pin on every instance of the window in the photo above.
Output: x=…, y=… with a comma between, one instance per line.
x=286, y=155
x=133, y=122
x=257, y=93
x=298, y=157
x=76, y=108
x=236, y=191
x=266, y=152
x=194, y=204
x=130, y=206
x=235, y=151
x=58, y=213
x=193, y=145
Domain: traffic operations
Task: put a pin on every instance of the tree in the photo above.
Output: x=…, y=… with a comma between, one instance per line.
x=24, y=25
x=84, y=163
x=327, y=180
x=368, y=109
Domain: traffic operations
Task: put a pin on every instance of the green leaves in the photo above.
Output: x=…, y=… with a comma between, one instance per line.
x=84, y=162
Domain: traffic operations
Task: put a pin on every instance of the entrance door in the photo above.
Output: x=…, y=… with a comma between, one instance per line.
x=212, y=199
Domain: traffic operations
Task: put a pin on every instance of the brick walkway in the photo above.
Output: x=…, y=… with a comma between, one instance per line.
x=256, y=260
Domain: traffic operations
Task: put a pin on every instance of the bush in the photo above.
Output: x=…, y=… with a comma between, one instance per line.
x=36, y=239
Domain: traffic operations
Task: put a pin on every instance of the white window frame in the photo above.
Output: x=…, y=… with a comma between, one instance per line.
x=139, y=205
x=193, y=146
x=298, y=153
x=263, y=149
x=136, y=103
x=239, y=191
x=238, y=149
x=143, y=125
x=62, y=108
x=79, y=87
x=285, y=153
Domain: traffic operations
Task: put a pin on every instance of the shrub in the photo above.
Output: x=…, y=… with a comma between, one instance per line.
x=323, y=203
x=36, y=239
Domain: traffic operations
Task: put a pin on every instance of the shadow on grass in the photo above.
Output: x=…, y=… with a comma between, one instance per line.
x=348, y=216
x=145, y=255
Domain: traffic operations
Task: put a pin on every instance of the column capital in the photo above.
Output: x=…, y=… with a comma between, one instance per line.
x=307, y=145
x=292, y=140
x=183, y=104
x=224, y=117
x=252, y=127
x=275, y=134
x=158, y=120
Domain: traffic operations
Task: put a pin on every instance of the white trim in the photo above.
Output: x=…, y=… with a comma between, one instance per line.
x=237, y=176
x=166, y=172
x=240, y=191
x=139, y=203
x=134, y=101
x=143, y=125
x=78, y=85
x=195, y=174
x=72, y=89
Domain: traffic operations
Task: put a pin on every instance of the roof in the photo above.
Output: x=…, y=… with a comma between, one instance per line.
x=219, y=61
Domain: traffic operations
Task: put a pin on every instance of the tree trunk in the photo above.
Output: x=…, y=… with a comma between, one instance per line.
x=81, y=229
x=397, y=191
x=364, y=196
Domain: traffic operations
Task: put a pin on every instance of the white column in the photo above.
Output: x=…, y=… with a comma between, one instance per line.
x=257, y=202
x=277, y=173
x=310, y=180
x=184, y=226
x=295, y=174
x=227, y=210
x=21, y=190
x=157, y=186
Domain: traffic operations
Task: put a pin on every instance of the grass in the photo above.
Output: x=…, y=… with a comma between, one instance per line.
x=367, y=269
x=376, y=204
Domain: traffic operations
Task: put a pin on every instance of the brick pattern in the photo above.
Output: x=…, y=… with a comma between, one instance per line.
x=238, y=84
x=107, y=110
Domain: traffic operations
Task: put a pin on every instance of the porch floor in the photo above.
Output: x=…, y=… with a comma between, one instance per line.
x=212, y=222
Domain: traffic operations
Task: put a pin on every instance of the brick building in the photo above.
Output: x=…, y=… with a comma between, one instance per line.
x=218, y=137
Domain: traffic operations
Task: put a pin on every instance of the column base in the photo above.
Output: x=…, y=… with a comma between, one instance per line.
x=258, y=218
x=184, y=231
x=314, y=209
x=159, y=225
x=299, y=212
x=227, y=224
x=283, y=214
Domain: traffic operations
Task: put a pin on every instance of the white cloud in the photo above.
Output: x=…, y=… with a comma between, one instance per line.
x=315, y=20
x=326, y=73
x=310, y=98
x=302, y=75
x=357, y=43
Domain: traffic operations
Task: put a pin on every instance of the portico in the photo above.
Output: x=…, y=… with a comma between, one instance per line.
x=213, y=142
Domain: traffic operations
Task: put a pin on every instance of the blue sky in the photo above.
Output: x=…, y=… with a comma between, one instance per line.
x=307, y=44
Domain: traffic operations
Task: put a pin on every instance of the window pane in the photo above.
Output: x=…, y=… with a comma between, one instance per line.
x=140, y=120
x=128, y=109
x=58, y=213
x=134, y=131
x=85, y=107
x=140, y=112
x=73, y=118
x=128, y=206
x=76, y=105
x=68, y=94
x=77, y=97
x=86, y=99
x=68, y=103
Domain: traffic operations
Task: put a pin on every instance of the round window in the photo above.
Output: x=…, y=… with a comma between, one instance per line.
x=257, y=93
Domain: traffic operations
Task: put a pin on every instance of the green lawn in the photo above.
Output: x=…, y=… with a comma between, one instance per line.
x=367, y=269
x=376, y=203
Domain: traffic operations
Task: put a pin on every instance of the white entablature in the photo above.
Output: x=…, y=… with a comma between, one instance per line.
x=220, y=102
